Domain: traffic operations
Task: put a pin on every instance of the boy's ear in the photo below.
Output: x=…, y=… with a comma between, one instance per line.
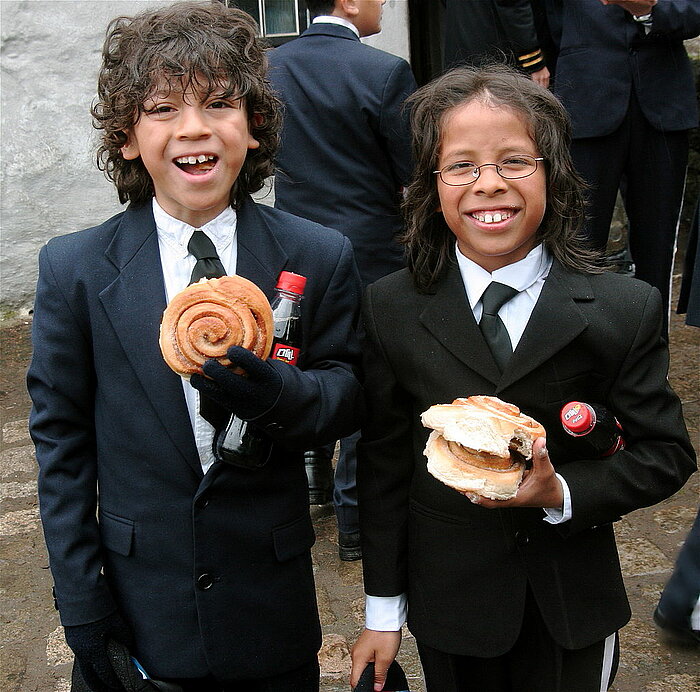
x=130, y=149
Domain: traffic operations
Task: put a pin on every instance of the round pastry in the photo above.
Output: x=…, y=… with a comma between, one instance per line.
x=480, y=445
x=205, y=319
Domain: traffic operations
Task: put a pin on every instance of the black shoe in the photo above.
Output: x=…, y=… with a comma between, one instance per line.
x=349, y=548
x=319, y=474
x=675, y=632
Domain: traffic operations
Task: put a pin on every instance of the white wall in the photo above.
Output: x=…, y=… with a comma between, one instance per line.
x=49, y=184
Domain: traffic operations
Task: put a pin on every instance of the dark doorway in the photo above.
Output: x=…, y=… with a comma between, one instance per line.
x=425, y=31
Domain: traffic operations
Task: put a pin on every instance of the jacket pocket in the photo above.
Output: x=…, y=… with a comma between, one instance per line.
x=294, y=538
x=117, y=533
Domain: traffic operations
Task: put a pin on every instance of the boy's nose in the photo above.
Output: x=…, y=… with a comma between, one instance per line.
x=489, y=180
x=192, y=123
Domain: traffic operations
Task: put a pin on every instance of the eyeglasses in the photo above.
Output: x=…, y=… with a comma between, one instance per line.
x=466, y=173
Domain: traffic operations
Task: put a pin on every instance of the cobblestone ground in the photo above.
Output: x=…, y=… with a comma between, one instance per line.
x=33, y=654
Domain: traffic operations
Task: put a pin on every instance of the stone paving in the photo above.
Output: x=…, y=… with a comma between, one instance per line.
x=34, y=656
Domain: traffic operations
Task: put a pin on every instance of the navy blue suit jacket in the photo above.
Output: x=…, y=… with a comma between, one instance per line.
x=345, y=150
x=109, y=413
x=603, y=53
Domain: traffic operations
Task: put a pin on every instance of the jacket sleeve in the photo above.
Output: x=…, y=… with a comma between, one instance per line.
x=321, y=399
x=658, y=457
x=393, y=120
x=61, y=381
x=518, y=22
x=677, y=20
x=384, y=468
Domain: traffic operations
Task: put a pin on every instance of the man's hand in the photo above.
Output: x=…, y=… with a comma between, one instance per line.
x=541, y=77
x=638, y=8
x=89, y=644
x=540, y=486
x=378, y=647
x=246, y=395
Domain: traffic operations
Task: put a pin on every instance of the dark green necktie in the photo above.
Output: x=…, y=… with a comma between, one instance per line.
x=208, y=263
x=491, y=325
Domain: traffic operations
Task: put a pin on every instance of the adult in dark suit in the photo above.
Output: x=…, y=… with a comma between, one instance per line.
x=202, y=568
x=625, y=78
x=524, y=593
x=481, y=31
x=343, y=161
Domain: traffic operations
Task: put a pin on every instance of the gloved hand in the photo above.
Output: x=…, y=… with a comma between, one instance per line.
x=247, y=396
x=89, y=644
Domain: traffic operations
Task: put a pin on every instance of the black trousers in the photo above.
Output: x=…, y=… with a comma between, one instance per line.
x=303, y=679
x=652, y=165
x=536, y=663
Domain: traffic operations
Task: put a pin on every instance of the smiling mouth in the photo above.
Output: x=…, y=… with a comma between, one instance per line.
x=196, y=165
x=492, y=216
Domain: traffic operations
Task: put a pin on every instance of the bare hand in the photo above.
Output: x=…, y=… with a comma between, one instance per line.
x=634, y=7
x=541, y=77
x=540, y=486
x=380, y=647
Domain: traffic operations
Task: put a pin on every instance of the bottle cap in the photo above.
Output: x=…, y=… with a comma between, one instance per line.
x=577, y=418
x=295, y=283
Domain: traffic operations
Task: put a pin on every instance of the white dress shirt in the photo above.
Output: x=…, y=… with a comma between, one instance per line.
x=330, y=19
x=527, y=276
x=177, y=264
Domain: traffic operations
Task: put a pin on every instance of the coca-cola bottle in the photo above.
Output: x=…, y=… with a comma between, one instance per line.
x=240, y=443
x=595, y=425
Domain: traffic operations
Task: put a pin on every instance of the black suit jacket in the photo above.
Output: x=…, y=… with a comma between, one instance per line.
x=465, y=568
x=345, y=151
x=109, y=414
x=603, y=54
x=478, y=31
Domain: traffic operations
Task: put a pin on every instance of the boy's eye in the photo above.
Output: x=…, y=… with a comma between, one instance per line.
x=461, y=168
x=158, y=109
x=220, y=103
x=517, y=163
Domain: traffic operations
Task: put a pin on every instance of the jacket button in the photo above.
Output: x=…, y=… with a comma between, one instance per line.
x=521, y=538
x=204, y=581
x=202, y=502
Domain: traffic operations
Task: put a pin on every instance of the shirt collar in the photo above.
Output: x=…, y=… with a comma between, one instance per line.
x=330, y=19
x=176, y=233
x=520, y=275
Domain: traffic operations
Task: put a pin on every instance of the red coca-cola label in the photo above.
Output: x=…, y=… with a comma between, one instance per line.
x=286, y=353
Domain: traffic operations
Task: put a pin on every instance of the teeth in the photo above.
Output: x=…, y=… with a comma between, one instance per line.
x=491, y=217
x=195, y=159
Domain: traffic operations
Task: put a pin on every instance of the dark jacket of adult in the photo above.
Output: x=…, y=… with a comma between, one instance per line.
x=345, y=152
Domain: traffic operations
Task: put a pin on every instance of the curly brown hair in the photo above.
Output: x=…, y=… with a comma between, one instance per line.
x=429, y=241
x=205, y=46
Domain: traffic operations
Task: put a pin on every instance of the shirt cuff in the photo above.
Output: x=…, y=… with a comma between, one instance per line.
x=385, y=613
x=556, y=515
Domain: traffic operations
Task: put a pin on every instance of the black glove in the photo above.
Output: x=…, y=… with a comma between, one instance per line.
x=247, y=396
x=89, y=644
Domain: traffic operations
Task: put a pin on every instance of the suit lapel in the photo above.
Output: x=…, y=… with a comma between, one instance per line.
x=450, y=319
x=260, y=256
x=134, y=303
x=555, y=322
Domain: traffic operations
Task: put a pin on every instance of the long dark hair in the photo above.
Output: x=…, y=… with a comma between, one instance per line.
x=428, y=239
x=189, y=44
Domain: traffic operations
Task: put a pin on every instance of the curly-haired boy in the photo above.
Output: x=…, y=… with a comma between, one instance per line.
x=201, y=568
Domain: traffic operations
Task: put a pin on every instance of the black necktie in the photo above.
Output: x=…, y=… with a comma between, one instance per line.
x=208, y=263
x=491, y=325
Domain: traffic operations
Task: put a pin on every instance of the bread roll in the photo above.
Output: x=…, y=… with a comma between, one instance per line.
x=208, y=317
x=480, y=445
